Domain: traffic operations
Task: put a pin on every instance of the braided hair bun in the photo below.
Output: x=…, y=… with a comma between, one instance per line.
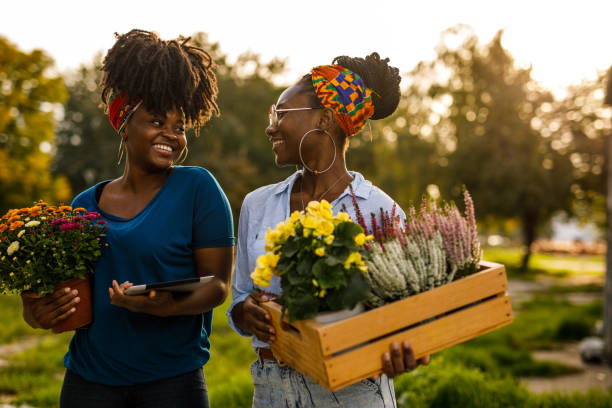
x=380, y=77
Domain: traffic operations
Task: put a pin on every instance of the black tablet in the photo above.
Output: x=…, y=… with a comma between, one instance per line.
x=184, y=285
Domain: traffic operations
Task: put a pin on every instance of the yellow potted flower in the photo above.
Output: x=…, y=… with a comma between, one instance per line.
x=320, y=259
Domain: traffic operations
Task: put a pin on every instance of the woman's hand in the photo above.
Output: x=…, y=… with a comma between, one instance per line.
x=398, y=362
x=157, y=303
x=251, y=318
x=46, y=312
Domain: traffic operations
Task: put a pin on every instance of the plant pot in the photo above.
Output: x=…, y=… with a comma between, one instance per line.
x=337, y=315
x=83, y=314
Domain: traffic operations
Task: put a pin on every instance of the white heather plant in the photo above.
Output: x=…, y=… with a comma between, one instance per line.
x=433, y=246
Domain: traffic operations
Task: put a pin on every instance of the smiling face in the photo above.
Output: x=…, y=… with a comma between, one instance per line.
x=154, y=142
x=285, y=136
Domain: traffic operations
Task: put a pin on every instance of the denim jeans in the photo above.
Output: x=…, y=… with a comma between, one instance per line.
x=185, y=390
x=283, y=387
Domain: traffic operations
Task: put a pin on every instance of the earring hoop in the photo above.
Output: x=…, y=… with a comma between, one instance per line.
x=316, y=172
x=179, y=160
x=120, y=151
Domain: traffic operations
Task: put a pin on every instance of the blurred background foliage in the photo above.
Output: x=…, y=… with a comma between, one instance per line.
x=470, y=117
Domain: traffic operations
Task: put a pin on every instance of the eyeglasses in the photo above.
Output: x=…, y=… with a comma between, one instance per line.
x=273, y=115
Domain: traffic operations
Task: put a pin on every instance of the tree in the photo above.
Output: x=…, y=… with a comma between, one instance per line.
x=86, y=142
x=608, y=283
x=29, y=98
x=481, y=111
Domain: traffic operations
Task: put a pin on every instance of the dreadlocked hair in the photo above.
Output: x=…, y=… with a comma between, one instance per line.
x=377, y=75
x=164, y=75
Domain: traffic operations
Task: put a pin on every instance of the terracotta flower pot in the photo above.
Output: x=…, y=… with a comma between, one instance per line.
x=83, y=314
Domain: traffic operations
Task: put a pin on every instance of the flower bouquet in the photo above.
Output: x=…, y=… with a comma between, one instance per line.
x=320, y=260
x=44, y=246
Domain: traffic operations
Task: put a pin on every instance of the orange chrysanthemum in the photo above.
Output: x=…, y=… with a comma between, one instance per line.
x=15, y=225
x=13, y=219
x=80, y=209
x=3, y=228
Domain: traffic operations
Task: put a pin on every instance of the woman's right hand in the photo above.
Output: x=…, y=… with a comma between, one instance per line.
x=46, y=312
x=251, y=318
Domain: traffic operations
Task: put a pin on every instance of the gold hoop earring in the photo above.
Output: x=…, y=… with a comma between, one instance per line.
x=316, y=172
x=179, y=160
x=120, y=151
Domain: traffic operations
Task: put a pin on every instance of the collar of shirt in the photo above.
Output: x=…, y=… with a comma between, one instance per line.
x=361, y=186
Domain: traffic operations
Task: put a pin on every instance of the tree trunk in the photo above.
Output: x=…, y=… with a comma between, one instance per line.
x=608, y=285
x=530, y=221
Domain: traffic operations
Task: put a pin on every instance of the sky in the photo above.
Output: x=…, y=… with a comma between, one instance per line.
x=565, y=41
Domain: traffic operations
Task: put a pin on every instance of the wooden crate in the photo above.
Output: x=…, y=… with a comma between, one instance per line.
x=341, y=353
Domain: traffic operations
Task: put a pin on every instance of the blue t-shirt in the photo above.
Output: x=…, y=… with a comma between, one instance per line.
x=189, y=212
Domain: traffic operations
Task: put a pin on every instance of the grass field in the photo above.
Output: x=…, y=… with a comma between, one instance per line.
x=480, y=373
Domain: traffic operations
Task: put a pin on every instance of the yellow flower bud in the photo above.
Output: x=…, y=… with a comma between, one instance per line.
x=320, y=251
x=360, y=239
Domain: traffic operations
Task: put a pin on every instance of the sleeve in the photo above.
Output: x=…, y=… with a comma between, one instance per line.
x=213, y=225
x=242, y=284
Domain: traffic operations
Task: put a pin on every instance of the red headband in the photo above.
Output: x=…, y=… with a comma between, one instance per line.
x=120, y=110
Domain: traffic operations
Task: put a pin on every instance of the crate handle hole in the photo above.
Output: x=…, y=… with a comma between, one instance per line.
x=290, y=329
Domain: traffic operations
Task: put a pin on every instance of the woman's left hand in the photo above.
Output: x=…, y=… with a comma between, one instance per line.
x=398, y=362
x=157, y=303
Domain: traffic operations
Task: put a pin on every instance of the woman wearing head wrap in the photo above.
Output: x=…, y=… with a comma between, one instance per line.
x=166, y=222
x=310, y=125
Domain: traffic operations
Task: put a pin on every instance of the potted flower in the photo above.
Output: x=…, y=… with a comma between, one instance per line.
x=320, y=259
x=45, y=247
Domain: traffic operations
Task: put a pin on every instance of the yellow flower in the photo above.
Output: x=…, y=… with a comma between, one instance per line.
x=33, y=224
x=320, y=251
x=329, y=239
x=360, y=239
x=310, y=221
x=20, y=233
x=3, y=258
x=28, y=261
x=325, y=228
x=12, y=248
x=322, y=293
x=353, y=258
x=12, y=274
x=315, y=283
x=343, y=216
x=43, y=218
x=369, y=237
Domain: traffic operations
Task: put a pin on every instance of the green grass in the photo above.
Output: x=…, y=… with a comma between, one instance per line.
x=556, y=265
x=479, y=373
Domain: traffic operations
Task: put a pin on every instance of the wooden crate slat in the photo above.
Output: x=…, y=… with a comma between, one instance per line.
x=428, y=338
x=341, y=353
x=394, y=316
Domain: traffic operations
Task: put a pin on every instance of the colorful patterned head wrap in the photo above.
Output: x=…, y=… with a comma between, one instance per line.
x=120, y=110
x=345, y=92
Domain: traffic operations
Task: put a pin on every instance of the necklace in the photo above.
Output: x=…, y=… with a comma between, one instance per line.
x=322, y=195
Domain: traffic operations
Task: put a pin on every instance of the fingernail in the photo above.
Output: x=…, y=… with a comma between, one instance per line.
x=73, y=310
x=77, y=300
x=66, y=290
x=75, y=292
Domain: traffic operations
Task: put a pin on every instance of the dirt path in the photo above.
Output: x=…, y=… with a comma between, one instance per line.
x=592, y=376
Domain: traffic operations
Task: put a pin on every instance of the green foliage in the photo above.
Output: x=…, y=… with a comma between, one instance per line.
x=43, y=246
x=29, y=96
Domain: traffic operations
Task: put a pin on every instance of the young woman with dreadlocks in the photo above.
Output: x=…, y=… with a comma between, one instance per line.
x=166, y=222
x=310, y=125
